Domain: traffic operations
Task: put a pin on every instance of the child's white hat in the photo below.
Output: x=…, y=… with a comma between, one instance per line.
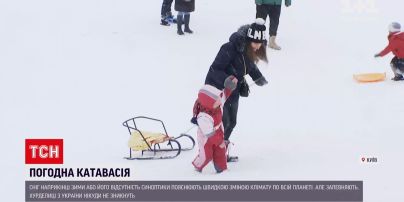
x=394, y=27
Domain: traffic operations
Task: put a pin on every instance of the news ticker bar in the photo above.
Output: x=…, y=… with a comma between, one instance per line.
x=292, y=191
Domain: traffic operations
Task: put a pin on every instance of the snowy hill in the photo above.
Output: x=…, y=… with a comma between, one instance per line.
x=77, y=69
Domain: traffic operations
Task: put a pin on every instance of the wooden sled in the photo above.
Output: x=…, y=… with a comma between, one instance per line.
x=369, y=77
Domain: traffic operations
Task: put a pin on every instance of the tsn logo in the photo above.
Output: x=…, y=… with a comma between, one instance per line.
x=43, y=151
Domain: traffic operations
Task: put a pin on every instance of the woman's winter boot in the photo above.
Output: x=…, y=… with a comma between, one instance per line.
x=186, y=21
x=179, y=24
x=272, y=44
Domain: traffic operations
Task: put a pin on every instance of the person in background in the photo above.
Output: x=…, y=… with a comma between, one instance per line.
x=167, y=17
x=396, y=45
x=271, y=8
x=184, y=8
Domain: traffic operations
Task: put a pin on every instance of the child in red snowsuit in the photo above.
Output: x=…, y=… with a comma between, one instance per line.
x=396, y=45
x=208, y=115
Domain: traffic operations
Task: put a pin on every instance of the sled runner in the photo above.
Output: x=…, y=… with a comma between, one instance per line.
x=154, y=145
x=370, y=77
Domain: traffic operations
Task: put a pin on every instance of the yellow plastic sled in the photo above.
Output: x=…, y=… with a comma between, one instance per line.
x=370, y=77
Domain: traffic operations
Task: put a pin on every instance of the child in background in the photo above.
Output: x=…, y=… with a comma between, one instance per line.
x=396, y=45
x=208, y=116
x=184, y=8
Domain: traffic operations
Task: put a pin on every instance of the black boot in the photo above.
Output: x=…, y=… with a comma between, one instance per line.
x=398, y=77
x=186, y=21
x=232, y=159
x=179, y=24
x=164, y=22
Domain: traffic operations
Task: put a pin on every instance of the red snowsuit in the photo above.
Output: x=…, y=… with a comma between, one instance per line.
x=210, y=128
x=396, y=45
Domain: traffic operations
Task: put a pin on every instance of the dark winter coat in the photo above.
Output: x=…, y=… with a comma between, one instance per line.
x=184, y=5
x=230, y=61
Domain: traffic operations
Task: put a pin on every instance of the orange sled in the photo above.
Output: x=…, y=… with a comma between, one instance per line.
x=370, y=77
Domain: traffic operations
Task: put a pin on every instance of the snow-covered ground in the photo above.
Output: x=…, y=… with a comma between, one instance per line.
x=77, y=69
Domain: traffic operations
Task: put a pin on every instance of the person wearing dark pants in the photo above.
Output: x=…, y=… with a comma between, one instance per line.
x=274, y=12
x=166, y=15
x=184, y=8
x=230, y=115
x=271, y=9
x=238, y=57
x=397, y=65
